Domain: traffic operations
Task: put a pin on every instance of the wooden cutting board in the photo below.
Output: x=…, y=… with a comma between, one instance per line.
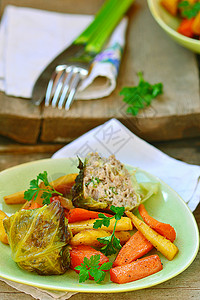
x=174, y=115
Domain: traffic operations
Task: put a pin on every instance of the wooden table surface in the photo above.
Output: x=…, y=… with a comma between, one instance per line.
x=184, y=286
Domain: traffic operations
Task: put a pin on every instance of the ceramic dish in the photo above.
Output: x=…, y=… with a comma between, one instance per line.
x=169, y=24
x=166, y=206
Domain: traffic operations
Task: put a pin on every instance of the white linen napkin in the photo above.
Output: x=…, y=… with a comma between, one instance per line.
x=114, y=138
x=31, y=38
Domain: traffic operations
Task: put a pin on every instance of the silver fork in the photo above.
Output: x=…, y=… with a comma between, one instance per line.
x=66, y=72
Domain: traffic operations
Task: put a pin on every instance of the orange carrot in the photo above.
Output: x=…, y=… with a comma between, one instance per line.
x=138, y=269
x=78, y=253
x=34, y=205
x=163, y=229
x=80, y=214
x=185, y=27
x=136, y=247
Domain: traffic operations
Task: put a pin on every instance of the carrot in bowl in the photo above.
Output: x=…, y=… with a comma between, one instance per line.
x=185, y=27
x=164, y=229
x=136, y=247
x=138, y=269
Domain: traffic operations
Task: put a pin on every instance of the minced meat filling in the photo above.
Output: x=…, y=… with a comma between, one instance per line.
x=106, y=179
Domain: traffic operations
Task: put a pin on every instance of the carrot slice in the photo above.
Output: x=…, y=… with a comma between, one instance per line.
x=34, y=205
x=185, y=27
x=78, y=253
x=136, y=247
x=138, y=269
x=80, y=214
x=164, y=229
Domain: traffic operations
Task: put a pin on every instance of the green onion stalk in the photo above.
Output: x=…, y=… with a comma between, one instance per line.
x=97, y=33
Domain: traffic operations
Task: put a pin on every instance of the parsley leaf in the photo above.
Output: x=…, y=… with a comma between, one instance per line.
x=189, y=10
x=93, y=180
x=139, y=97
x=35, y=188
x=111, y=243
x=91, y=267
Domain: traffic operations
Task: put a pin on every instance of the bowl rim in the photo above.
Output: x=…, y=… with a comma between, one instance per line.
x=159, y=20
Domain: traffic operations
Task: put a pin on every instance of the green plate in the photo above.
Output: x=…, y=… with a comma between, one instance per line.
x=167, y=206
x=170, y=24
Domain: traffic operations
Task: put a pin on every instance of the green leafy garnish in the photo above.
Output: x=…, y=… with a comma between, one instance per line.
x=112, y=243
x=139, y=97
x=189, y=10
x=113, y=189
x=91, y=267
x=93, y=180
x=35, y=188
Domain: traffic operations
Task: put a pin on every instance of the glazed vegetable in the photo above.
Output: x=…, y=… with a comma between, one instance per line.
x=164, y=229
x=138, y=269
x=90, y=237
x=189, y=12
x=36, y=188
x=89, y=263
x=185, y=27
x=112, y=243
x=171, y=6
x=38, y=239
x=80, y=214
x=123, y=224
x=34, y=205
x=16, y=198
x=135, y=247
x=167, y=248
x=3, y=234
x=62, y=185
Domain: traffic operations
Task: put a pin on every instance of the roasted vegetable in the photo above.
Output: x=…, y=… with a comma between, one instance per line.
x=122, y=225
x=103, y=182
x=90, y=237
x=136, y=247
x=135, y=270
x=3, y=235
x=167, y=248
x=164, y=229
x=38, y=239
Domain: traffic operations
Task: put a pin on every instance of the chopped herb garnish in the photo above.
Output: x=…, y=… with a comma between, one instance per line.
x=91, y=267
x=189, y=10
x=139, y=97
x=112, y=243
x=93, y=180
x=35, y=188
x=113, y=189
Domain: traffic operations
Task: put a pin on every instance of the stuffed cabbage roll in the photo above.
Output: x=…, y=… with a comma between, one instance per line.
x=103, y=182
x=38, y=239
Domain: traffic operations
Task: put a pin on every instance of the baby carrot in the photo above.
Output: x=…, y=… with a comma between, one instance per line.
x=138, y=269
x=80, y=214
x=164, y=229
x=167, y=248
x=136, y=247
x=77, y=255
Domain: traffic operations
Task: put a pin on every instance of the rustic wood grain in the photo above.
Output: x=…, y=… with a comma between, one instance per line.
x=175, y=115
x=19, y=120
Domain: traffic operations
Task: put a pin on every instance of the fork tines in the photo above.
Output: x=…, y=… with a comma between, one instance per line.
x=63, y=86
